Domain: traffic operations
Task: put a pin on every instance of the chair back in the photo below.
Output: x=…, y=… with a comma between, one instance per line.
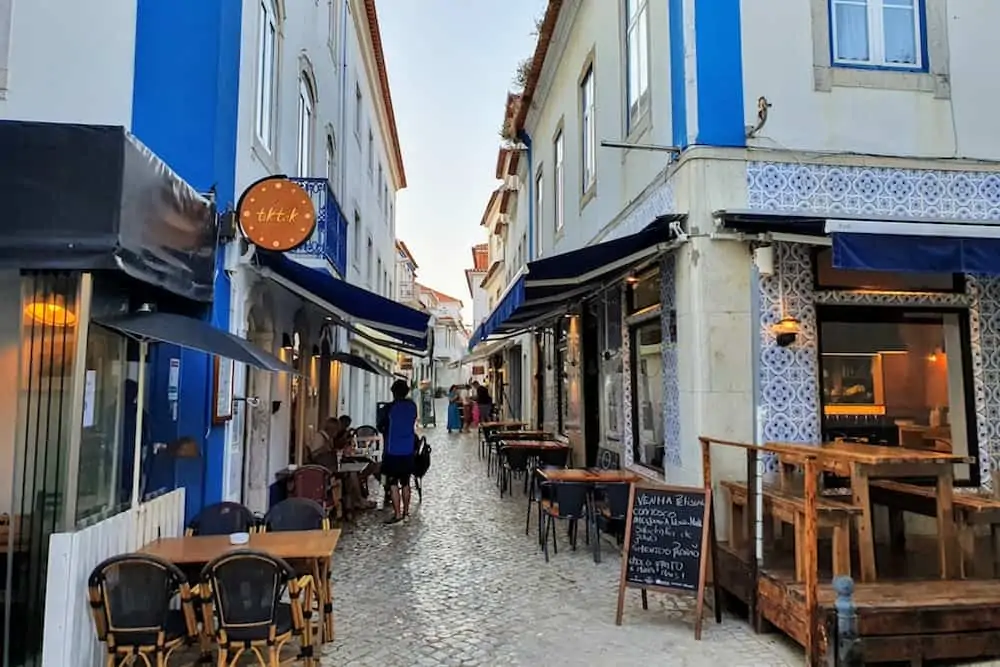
x=247, y=587
x=312, y=482
x=516, y=458
x=570, y=498
x=554, y=458
x=130, y=597
x=295, y=514
x=366, y=431
x=616, y=499
x=222, y=519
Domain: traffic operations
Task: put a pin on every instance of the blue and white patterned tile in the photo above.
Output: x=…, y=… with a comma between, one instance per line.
x=671, y=385
x=875, y=191
x=627, y=435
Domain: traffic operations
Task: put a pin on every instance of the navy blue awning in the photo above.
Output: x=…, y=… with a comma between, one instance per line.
x=915, y=247
x=547, y=285
x=348, y=303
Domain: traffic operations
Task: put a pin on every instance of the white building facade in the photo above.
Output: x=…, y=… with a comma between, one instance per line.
x=319, y=108
x=709, y=119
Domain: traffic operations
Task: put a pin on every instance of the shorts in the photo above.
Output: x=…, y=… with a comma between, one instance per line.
x=397, y=470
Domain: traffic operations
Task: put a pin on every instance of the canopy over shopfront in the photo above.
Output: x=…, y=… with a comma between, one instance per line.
x=89, y=198
x=406, y=328
x=882, y=244
x=547, y=286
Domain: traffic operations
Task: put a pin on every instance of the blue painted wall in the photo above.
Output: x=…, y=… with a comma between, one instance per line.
x=185, y=104
x=678, y=85
x=719, y=58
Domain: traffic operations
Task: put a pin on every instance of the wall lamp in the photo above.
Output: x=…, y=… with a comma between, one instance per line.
x=786, y=331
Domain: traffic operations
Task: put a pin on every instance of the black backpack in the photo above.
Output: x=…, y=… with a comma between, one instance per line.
x=422, y=459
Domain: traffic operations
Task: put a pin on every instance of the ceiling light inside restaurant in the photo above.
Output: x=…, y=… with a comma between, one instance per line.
x=51, y=312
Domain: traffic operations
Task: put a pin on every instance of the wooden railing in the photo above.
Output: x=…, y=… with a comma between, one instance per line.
x=754, y=518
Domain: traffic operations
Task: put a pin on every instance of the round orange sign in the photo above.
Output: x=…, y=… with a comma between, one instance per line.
x=276, y=214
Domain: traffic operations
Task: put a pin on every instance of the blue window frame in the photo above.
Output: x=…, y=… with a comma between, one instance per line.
x=879, y=34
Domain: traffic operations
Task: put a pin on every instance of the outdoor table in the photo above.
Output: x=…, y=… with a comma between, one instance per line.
x=537, y=445
x=593, y=477
x=861, y=463
x=346, y=467
x=487, y=429
x=316, y=547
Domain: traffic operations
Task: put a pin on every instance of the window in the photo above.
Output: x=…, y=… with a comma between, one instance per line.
x=588, y=133
x=378, y=276
x=877, y=33
x=378, y=187
x=371, y=155
x=357, y=237
x=6, y=20
x=647, y=382
x=266, y=70
x=385, y=201
x=898, y=377
x=369, y=265
x=357, y=110
x=305, y=138
x=558, y=179
x=331, y=159
x=333, y=39
x=611, y=368
x=637, y=51
x=539, y=211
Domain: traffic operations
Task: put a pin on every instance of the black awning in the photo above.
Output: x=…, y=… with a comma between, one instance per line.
x=773, y=222
x=91, y=197
x=358, y=362
x=195, y=335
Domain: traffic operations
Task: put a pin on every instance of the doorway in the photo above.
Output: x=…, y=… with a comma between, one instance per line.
x=591, y=384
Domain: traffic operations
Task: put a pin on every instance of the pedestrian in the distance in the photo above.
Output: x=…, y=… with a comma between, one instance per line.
x=400, y=448
x=485, y=403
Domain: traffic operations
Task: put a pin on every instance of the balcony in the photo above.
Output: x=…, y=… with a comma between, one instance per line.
x=327, y=247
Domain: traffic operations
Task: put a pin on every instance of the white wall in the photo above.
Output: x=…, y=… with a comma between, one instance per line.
x=880, y=112
x=68, y=62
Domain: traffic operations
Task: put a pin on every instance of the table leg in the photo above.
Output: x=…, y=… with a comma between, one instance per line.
x=328, y=608
x=866, y=537
x=946, y=522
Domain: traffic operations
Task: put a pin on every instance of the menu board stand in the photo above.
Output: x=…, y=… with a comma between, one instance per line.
x=669, y=538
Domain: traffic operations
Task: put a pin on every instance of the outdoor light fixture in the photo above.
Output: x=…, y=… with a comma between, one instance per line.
x=51, y=312
x=316, y=352
x=286, y=342
x=786, y=331
x=631, y=280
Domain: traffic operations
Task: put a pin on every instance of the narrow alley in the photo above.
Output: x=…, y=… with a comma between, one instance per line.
x=461, y=584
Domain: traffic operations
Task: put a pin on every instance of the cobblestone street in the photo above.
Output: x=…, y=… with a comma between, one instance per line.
x=461, y=584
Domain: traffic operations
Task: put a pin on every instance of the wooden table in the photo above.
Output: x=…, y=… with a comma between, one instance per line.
x=486, y=426
x=589, y=476
x=313, y=546
x=861, y=463
x=537, y=445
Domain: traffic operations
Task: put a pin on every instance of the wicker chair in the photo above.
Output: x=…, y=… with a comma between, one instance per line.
x=222, y=519
x=313, y=482
x=130, y=598
x=242, y=592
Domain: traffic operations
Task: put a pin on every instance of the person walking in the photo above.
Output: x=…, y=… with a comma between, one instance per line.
x=400, y=448
x=484, y=401
x=454, y=409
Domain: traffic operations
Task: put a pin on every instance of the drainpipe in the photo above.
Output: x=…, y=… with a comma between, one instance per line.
x=525, y=139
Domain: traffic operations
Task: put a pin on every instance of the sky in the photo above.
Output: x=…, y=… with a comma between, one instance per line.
x=450, y=64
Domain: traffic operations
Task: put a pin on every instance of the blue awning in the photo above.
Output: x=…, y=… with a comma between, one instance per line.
x=915, y=247
x=546, y=286
x=348, y=303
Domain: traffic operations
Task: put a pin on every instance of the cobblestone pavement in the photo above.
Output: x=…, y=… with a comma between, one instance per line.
x=461, y=584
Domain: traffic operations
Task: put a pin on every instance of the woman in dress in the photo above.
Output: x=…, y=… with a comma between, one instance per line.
x=454, y=409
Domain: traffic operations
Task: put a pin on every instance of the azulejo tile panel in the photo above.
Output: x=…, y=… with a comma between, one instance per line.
x=627, y=435
x=671, y=385
x=789, y=376
x=659, y=202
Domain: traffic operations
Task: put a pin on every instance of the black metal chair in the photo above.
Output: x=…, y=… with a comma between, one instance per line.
x=569, y=502
x=242, y=592
x=514, y=461
x=366, y=431
x=222, y=519
x=610, y=505
x=296, y=514
x=554, y=458
x=130, y=598
x=538, y=490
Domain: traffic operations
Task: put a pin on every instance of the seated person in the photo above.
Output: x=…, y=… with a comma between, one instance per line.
x=323, y=450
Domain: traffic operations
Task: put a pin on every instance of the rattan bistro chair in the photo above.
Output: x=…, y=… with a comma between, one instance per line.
x=222, y=519
x=242, y=592
x=130, y=598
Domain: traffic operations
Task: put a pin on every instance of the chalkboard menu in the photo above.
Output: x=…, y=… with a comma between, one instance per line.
x=667, y=539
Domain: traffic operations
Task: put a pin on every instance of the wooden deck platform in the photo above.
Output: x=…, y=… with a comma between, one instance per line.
x=898, y=620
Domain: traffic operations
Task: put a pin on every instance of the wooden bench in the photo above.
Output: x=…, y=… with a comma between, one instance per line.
x=971, y=510
x=789, y=508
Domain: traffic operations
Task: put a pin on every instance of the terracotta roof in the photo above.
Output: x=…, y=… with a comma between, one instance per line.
x=383, y=77
x=489, y=206
x=545, y=33
x=492, y=272
x=440, y=296
x=480, y=257
x=505, y=200
x=501, y=162
x=401, y=246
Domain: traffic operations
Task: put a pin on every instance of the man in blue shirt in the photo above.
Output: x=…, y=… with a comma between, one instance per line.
x=400, y=446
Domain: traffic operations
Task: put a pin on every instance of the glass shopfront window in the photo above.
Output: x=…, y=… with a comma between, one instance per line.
x=900, y=377
x=646, y=337
x=611, y=367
